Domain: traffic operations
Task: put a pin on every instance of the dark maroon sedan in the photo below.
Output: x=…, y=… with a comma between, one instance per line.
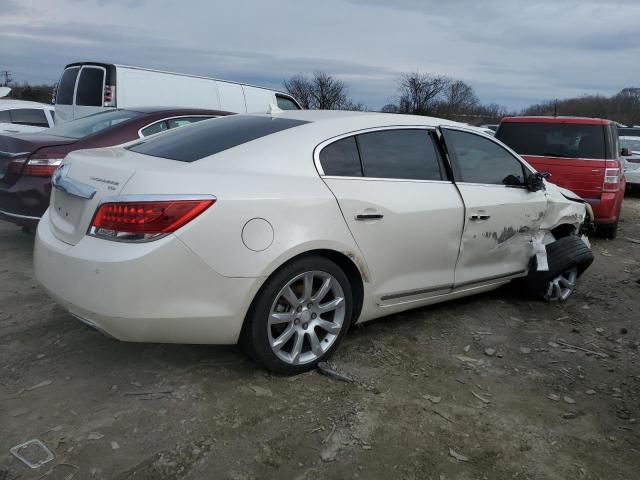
x=28, y=160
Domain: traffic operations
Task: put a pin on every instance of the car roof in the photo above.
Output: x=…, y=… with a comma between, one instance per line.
x=360, y=120
x=6, y=104
x=177, y=110
x=549, y=119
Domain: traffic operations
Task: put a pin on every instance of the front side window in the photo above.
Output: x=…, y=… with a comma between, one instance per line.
x=285, y=103
x=341, y=158
x=29, y=116
x=64, y=95
x=480, y=160
x=401, y=154
x=90, y=87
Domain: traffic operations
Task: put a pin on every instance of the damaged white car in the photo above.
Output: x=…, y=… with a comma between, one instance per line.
x=281, y=230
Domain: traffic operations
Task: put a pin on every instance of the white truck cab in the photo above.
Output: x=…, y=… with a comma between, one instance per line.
x=90, y=87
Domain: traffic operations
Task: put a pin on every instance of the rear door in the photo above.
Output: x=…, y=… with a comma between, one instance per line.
x=65, y=94
x=89, y=91
x=501, y=214
x=403, y=212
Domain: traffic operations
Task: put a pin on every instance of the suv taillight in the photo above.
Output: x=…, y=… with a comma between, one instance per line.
x=611, y=180
x=142, y=221
x=109, y=96
x=38, y=165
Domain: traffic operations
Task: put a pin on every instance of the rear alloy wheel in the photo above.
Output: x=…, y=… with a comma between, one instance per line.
x=300, y=316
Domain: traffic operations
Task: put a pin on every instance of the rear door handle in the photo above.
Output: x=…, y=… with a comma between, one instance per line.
x=369, y=216
x=476, y=217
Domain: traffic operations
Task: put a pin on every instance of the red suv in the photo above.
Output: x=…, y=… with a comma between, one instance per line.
x=581, y=154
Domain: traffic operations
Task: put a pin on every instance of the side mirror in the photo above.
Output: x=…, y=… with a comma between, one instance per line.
x=625, y=152
x=535, y=181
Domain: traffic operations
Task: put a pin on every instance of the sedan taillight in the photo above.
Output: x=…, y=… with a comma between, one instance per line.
x=140, y=221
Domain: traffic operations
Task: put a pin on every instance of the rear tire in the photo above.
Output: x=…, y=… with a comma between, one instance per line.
x=568, y=258
x=299, y=317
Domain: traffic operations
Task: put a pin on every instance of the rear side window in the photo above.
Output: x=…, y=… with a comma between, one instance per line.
x=402, y=154
x=67, y=84
x=480, y=160
x=180, y=122
x=154, y=128
x=90, y=87
x=341, y=158
x=212, y=136
x=555, y=139
x=5, y=117
x=285, y=103
x=29, y=116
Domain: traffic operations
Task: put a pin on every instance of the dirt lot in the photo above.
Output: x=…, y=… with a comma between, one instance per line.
x=425, y=390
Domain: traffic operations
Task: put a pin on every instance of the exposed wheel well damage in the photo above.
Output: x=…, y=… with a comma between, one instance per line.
x=563, y=230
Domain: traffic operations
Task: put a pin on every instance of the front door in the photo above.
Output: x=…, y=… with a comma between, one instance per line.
x=501, y=214
x=403, y=212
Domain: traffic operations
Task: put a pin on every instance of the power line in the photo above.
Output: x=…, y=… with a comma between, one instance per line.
x=7, y=77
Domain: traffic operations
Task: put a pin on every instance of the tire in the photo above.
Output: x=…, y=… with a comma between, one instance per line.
x=609, y=230
x=568, y=258
x=292, y=334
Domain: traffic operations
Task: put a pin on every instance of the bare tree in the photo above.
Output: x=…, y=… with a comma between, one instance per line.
x=419, y=92
x=459, y=97
x=321, y=92
x=300, y=88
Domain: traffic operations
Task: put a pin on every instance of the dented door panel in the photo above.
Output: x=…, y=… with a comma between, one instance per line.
x=500, y=223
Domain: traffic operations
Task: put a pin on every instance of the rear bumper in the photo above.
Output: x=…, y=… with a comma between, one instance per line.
x=149, y=292
x=26, y=201
x=607, y=209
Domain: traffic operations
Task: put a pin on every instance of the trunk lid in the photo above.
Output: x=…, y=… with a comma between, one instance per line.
x=17, y=148
x=82, y=182
x=585, y=177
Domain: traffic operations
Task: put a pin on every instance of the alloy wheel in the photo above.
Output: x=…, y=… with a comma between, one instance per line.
x=306, y=317
x=562, y=286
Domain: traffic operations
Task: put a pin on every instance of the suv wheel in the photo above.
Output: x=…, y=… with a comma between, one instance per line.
x=568, y=257
x=300, y=316
x=608, y=230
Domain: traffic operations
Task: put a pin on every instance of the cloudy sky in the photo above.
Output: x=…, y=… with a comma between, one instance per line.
x=512, y=52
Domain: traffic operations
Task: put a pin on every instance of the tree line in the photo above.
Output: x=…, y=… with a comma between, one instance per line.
x=423, y=94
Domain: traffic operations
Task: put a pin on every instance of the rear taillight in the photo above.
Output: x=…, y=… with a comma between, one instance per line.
x=42, y=164
x=140, y=221
x=109, y=96
x=611, y=180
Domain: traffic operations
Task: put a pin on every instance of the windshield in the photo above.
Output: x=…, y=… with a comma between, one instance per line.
x=554, y=139
x=632, y=143
x=92, y=124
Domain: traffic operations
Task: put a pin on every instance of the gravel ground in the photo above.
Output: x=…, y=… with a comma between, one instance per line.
x=493, y=386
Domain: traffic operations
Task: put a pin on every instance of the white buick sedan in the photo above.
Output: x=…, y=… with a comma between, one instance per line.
x=279, y=231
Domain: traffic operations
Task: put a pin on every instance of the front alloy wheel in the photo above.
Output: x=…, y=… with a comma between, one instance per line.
x=299, y=316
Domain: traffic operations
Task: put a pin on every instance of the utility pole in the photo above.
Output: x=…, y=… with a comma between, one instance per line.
x=7, y=77
x=555, y=108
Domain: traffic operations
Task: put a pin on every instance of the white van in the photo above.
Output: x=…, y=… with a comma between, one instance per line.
x=89, y=87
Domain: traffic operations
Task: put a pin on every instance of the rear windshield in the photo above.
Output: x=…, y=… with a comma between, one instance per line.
x=632, y=143
x=90, y=86
x=64, y=95
x=554, y=139
x=92, y=124
x=209, y=137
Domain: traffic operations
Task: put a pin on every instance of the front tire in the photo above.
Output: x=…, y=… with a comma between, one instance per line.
x=568, y=257
x=300, y=316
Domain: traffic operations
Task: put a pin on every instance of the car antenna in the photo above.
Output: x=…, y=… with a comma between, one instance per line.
x=274, y=109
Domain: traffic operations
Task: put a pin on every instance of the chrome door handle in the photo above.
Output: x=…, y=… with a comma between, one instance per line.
x=369, y=216
x=477, y=217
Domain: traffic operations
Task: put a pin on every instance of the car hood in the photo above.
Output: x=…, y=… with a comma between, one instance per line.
x=29, y=142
